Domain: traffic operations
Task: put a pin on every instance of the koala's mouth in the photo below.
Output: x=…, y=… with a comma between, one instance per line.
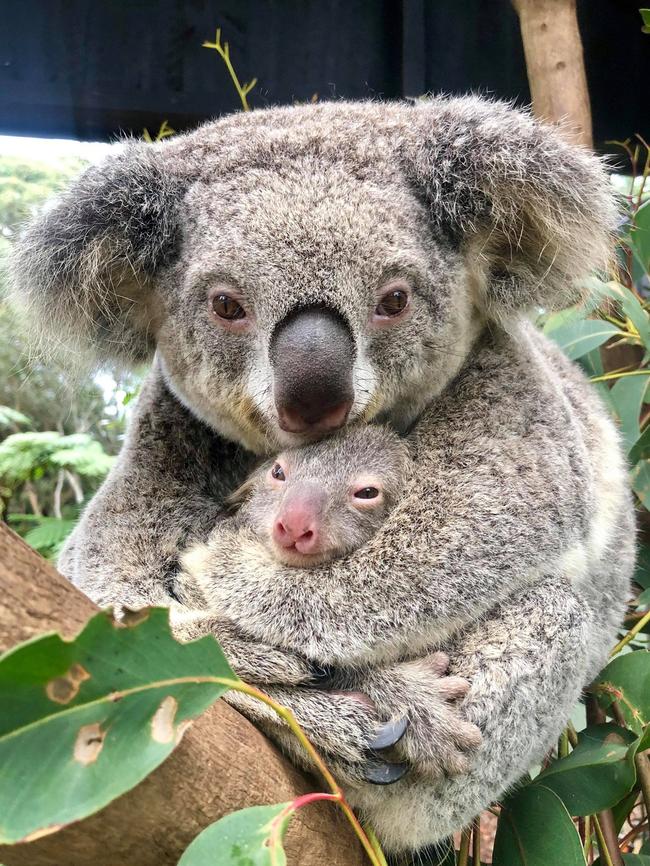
x=293, y=557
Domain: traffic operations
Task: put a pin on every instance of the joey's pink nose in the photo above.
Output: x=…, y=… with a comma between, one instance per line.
x=297, y=527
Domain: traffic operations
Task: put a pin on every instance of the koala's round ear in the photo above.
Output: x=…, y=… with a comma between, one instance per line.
x=83, y=266
x=533, y=213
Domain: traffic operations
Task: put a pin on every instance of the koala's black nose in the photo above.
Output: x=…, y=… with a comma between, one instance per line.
x=312, y=353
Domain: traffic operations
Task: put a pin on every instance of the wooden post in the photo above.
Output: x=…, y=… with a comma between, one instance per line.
x=223, y=762
x=555, y=65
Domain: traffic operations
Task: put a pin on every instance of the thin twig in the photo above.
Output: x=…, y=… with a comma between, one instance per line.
x=223, y=50
x=463, y=853
x=632, y=633
x=642, y=761
x=476, y=841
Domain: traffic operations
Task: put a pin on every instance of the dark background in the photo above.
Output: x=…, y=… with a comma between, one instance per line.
x=89, y=69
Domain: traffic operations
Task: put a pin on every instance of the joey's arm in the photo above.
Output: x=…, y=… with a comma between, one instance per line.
x=501, y=492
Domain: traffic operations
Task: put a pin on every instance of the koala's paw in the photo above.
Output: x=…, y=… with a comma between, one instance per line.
x=439, y=741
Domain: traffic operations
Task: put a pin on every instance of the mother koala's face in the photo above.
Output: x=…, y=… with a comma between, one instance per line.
x=305, y=299
x=303, y=268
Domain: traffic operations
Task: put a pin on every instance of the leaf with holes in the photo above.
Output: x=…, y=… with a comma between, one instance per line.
x=250, y=837
x=105, y=708
x=535, y=829
x=597, y=774
x=626, y=680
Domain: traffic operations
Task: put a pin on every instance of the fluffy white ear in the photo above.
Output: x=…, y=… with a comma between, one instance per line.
x=83, y=265
x=534, y=212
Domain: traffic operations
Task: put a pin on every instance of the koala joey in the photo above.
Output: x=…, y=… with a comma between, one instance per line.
x=297, y=272
x=316, y=503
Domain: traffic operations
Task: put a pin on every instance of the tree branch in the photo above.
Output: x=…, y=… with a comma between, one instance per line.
x=223, y=763
x=555, y=65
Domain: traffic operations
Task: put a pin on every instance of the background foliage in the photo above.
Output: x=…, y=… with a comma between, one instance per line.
x=57, y=432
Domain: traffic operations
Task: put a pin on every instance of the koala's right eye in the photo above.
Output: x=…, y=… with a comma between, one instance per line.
x=278, y=473
x=226, y=307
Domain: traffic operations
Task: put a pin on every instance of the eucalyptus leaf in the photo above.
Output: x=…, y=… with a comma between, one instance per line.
x=535, y=829
x=640, y=478
x=627, y=396
x=597, y=774
x=101, y=712
x=577, y=338
x=250, y=837
x=626, y=680
x=640, y=238
x=641, y=447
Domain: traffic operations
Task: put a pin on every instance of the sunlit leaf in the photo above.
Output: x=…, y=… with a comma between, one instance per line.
x=576, y=338
x=101, y=711
x=535, y=829
x=250, y=837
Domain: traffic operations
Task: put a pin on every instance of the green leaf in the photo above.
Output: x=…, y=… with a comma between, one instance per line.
x=102, y=711
x=641, y=447
x=10, y=417
x=640, y=237
x=642, y=571
x=576, y=338
x=50, y=532
x=597, y=774
x=628, y=303
x=627, y=396
x=535, y=829
x=250, y=837
x=626, y=680
x=645, y=15
x=640, y=478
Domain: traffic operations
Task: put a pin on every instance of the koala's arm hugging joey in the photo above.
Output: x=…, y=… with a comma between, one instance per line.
x=300, y=269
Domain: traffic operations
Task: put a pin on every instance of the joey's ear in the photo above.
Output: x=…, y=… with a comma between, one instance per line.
x=533, y=213
x=83, y=266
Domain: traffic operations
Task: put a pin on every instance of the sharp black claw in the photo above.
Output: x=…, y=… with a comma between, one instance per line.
x=322, y=676
x=389, y=734
x=383, y=773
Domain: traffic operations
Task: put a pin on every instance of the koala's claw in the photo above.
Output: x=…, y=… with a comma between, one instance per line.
x=322, y=676
x=389, y=734
x=384, y=773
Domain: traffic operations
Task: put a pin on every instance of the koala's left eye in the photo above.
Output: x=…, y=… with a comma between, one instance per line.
x=366, y=493
x=393, y=301
x=226, y=307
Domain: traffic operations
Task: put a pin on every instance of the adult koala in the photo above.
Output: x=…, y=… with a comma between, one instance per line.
x=301, y=268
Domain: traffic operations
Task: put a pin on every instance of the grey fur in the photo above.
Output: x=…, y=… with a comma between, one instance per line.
x=513, y=545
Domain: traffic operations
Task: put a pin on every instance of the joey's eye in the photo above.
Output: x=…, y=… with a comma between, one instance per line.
x=226, y=307
x=366, y=493
x=278, y=473
x=392, y=304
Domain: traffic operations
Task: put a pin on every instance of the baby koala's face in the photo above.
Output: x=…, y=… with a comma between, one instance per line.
x=321, y=501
